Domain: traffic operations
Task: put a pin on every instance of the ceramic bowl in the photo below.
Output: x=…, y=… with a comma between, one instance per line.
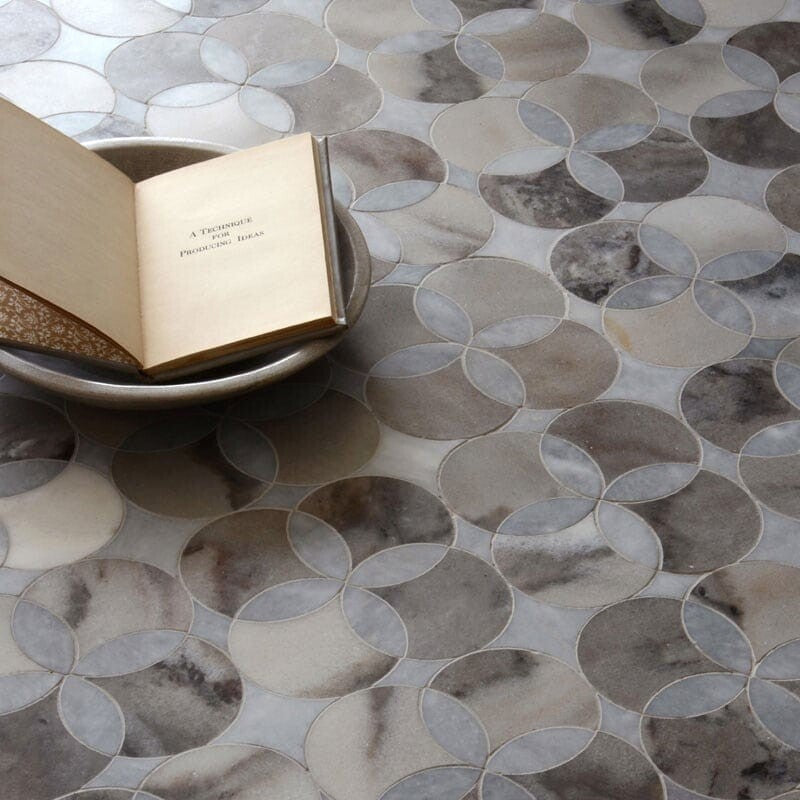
x=142, y=158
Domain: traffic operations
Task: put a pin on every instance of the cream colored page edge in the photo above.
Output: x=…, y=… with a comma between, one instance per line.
x=67, y=227
x=193, y=302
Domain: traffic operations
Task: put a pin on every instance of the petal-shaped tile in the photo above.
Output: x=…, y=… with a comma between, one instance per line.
x=631, y=650
x=313, y=656
x=459, y=605
x=55, y=762
x=516, y=691
x=761, y=597
x=374, y=513
x=192, y=481
x=231, y=559
x=332, y=438
x=68, y=518
x=738, y=756
x=468, y=478
x=707, y=524
x=12, y=658
x=622, y=436
x=729, y=402
x=182, y=702
x=94, y=598
x=233, y=771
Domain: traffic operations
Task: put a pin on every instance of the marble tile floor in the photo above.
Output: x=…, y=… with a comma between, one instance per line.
x=532, y=532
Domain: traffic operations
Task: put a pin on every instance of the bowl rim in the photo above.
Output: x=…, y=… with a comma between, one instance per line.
x=169, y=395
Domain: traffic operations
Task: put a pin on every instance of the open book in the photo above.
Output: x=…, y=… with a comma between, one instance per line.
x=175, y=273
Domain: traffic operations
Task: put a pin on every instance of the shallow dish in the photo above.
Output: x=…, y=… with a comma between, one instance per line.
x=142, y=158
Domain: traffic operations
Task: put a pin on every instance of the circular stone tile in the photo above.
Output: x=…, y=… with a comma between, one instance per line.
x=144, y=67
x=195, y=480
x=182, y=702
x=782, y=200
x=117, y=17
x=550, y=198
x=634, y=24
x=707, y=524
x=72, y=515
x=468, y=478
x=761, y=597
x=44, y=88
x=57, y=763
x=234, y=771
x=732, y=742
x=573, y=567
x=631, y=650
x=622, y=436
x=612, y=768
x=729, y=402
x=516, y=691
x=462, y=410
x=664, y=166
x=28, y=30
x=31, y=429
x=375, y=513
x=372, y=158
x=332, y=438
x=93, y=597
x=233, y=558
x=362, y=765
x=316, y=655
x=595, y=260
x=459, y=605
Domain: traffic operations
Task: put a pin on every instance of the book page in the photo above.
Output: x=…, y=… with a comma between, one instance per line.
x=231, y=250
x=67, y=228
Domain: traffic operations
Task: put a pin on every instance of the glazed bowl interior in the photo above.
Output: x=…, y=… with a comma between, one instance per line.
x=143, y=158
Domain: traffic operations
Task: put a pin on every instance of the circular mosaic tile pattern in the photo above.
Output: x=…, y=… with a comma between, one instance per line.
x=531, y=531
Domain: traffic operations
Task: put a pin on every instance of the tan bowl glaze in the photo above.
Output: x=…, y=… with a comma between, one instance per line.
x=142, y=158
